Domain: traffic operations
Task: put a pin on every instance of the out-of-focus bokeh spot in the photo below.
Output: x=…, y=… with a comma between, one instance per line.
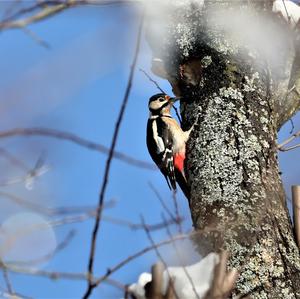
x=26, y=238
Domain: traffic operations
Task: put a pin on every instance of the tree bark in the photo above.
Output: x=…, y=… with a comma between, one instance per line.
x=241, y=96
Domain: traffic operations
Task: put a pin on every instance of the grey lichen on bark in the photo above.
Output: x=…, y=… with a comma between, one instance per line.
x=241, y=96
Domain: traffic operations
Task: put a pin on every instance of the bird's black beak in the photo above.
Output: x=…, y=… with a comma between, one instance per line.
x=172, y=100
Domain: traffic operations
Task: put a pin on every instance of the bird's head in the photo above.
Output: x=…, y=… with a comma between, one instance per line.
x=161, y=103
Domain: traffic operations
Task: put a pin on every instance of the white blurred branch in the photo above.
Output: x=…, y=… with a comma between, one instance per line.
x=62, y=135
x=48, y=8
x=282, y=147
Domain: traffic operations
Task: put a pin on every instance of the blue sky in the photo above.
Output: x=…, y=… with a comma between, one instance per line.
x=77, y=86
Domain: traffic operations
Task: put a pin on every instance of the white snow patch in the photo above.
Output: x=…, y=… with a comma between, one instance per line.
x=138, y=288
x=289, y=10
x=200, y=273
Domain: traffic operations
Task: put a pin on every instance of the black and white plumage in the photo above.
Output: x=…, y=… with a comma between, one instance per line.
x=166, y=141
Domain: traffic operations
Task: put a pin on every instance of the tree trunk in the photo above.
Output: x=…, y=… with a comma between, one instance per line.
x=241, y=93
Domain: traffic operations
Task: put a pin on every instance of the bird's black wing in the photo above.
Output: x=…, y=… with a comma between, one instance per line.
x=160, y=147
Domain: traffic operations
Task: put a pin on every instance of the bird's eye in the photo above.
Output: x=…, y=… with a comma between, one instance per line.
x=161, y=99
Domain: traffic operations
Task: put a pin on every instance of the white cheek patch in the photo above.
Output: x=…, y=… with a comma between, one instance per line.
x=158, y=140
x=156, y=105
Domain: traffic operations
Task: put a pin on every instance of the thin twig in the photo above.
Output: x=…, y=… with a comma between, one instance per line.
x=52, y=133
x=31, y=174
x=6, y=295
x=10, y=9
x=110, y=271
x=159, y=88
x=48, y=210
x=36, y=38
x=46, y=12
x=152, y=242
x=116, y=284
x=55, y=275
x=177, y=211
x=26, y=231
x=287, y=14
x=84, y=213
x=181, y=262
x=10, y=289
x=141, y=252
x=45, y=273
x=91, y=285
x=164, y=206
x=157, y=251
x=50, y=8
x=83, y=276
x=285, y=149
x=138, y=226
x=153, y=81
x=13, y=159
x=136, y=255
x=177, y=114
x=62, y=245
x=292, y=126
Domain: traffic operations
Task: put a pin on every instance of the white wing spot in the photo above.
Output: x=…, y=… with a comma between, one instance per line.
x=158, y=140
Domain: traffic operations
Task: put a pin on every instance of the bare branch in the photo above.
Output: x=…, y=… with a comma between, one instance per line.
x=46, y=132
x=159, y=88
x=36, y=38
x=49, y=8
x=13, y=160
x=83, y=276
x=150, y=79
x=296, y=212
x=182, y=263
x=110, y=271
x=290, y=139
x=153, y=243
x=11, y=8
x=46, y=12
x=85, y=213
x=8, y=282
x=289, y=148
x=31, y=174
x=139, y=253
x=62, y=245
x=55, y=275
x=155, y=191
x=91, y=285
x=159, y=267
x=137, y=226
x=48, y=274
x=282, y=147
x=49, y=210
x=6, y=295
x=177, y=211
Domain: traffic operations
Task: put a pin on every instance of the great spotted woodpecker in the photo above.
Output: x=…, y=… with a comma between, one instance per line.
x=166, y=141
